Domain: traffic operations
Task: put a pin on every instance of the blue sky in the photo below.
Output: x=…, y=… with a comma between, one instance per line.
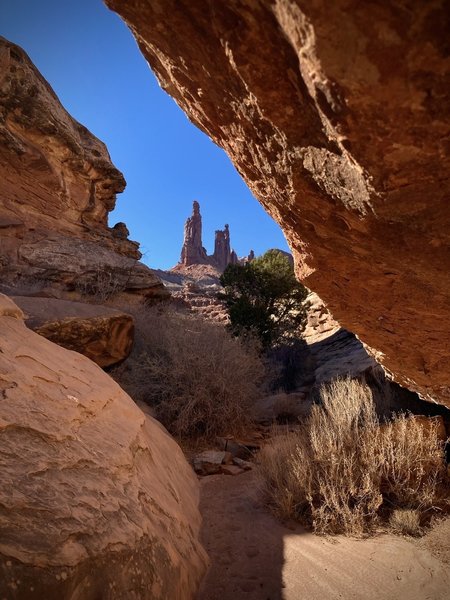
x=92, y=62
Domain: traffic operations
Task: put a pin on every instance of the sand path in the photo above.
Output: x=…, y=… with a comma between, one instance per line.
x=253, y=557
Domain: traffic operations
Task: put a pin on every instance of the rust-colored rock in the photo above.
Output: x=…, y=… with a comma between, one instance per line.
x=57, y=187
x=101, y=333
x=337, y=116
x=96, y=499
x=193, y=253
x=223, y=255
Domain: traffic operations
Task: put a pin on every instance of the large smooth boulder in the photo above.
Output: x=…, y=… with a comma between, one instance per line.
x=103, y=334
x=57, y=188
x=96, y=499
x=336, y=114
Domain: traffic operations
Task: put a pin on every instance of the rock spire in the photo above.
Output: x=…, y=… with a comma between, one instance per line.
x=222, y=250
x=193, y=252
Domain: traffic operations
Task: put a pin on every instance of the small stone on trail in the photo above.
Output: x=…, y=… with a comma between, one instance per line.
x=211, y=461
x=243, y=464
x=231, y=470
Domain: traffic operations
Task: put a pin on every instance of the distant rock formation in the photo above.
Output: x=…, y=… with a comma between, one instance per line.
x=57, y=187
x=222, y=250
x=251, y=256
x=193, y=252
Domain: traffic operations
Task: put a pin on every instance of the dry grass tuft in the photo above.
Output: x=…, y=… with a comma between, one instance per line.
x=405, y=522
x=342, y=470
x=202, y=382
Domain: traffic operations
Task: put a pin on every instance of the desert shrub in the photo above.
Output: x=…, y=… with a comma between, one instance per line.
x=290, y=365
x=411, y=462
x=102, y=284
x=341, y=471
x=405, y=522
x=201, y=381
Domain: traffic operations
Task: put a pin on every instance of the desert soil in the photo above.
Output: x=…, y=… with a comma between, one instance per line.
x=254, y=557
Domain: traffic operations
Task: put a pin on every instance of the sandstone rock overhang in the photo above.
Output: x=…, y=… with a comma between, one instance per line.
x=336, y=115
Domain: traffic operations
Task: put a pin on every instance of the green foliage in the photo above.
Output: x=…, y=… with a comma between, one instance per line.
x=263, y=298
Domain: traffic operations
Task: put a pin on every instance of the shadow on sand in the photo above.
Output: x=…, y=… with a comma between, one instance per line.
x=243, y=540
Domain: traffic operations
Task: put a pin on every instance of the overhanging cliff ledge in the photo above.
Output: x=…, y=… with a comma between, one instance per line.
x=336, y=115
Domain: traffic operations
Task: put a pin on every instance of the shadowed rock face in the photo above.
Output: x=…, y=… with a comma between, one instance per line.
x=335, y=114
x=57, y=187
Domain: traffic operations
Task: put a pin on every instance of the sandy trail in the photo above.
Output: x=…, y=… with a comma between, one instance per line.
x=253, y=557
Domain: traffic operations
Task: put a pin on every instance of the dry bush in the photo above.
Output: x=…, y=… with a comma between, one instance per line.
x=411, y=459
x=201, y=381
x=405, y=522
x=102, y=284
x=341, y=470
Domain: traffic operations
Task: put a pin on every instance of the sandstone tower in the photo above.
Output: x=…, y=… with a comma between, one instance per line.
x=193, y=252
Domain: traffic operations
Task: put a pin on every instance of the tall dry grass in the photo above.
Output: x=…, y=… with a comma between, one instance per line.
x=341, y=470
x=200, y=380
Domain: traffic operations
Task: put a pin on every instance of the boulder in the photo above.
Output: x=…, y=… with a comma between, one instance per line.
x=210, y=462
x=101, y=333
x=336, y=116
x=57, y=187
x=237, y=450
x=97, y=500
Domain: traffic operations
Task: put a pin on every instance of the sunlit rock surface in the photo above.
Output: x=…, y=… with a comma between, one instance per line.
x=103, y=334
x=57, y=186
x=96, y=499
x=336, y=115
x=193, y=253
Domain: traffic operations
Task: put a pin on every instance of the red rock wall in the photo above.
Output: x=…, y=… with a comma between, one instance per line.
x=336, y=115
x=57, y=186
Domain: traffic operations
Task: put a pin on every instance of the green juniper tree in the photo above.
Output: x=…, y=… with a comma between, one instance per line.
x=264, y=298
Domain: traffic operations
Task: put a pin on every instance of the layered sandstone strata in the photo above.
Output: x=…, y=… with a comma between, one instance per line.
x=101, y=333
x=97, y=500
x=336, y=115
x=57, y=187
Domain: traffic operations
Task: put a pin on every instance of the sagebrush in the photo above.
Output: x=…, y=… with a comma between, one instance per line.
x=342, y=471
x=200, y=380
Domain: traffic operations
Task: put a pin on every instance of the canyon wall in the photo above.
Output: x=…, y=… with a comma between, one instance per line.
x=57, y=187
x=336, y=115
